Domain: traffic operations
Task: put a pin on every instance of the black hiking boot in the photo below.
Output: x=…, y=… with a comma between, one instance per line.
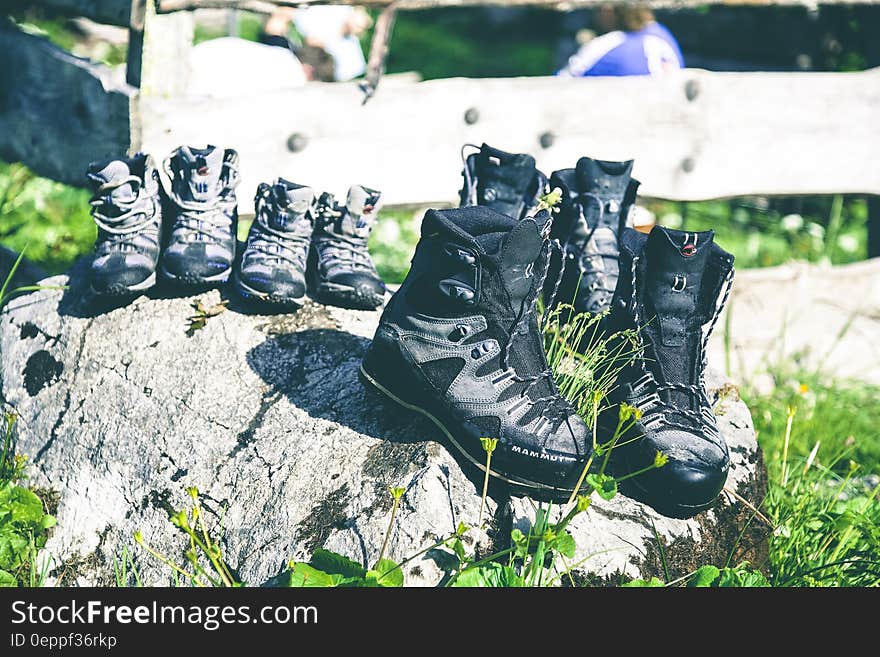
x=273, y=264
x=459, y=342
x=127, y=208
x=670, y=285
x=509, y=183
x=342, y=272
x=202, y=216
x=596, y=198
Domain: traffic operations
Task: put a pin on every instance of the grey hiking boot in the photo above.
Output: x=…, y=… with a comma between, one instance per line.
x=596, y=198
x=127, y=209
x=342, y=272
x=509, y=183
x=202, y=215
x=459, y=342
x=273, y=264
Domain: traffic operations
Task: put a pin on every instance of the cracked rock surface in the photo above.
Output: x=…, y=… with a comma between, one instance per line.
x=120, y=410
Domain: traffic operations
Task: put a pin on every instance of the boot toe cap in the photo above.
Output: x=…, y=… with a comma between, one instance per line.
x=691, y=479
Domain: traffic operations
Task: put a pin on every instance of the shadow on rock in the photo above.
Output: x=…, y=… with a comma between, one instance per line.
x=317, y=369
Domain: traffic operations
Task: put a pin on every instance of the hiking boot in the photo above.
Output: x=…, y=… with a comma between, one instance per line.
x=596, y=198
x=509, y=183
x=342, y=272
x=670, y=285
x=202, y=216
x=127, y=209
x=459, y=342
x=273, y=264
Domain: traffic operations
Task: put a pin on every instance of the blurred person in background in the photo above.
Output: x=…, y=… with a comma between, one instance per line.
x=330, y=49
x=632, y=43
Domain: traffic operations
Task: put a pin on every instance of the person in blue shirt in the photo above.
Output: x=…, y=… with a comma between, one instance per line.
x=633, y=44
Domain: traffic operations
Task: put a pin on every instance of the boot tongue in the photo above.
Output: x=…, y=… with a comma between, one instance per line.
x=608, y=180
x=593, y=175
x=113, y=172
x=116, y=199
x=292, y=202
x=201, y=169
x=673, y=280
x=361, y=208
x=476, y=224
x=504, y=178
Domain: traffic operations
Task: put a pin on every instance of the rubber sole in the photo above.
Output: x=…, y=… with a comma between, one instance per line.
x=222, y=277
x=632, y=489
x=359, y=298
x=264, y=297
x=126, y=290
x=517, y=485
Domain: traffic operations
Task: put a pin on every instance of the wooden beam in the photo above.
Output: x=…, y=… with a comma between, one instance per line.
x=874, y=226
x=265, y=6
x=695, y=135
x=58, y=112
x=111, y=12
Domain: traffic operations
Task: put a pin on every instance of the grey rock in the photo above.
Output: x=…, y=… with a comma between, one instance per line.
x=120, y=410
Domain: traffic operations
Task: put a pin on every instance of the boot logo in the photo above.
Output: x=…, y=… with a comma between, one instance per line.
x=688, y=249
x=535, y=454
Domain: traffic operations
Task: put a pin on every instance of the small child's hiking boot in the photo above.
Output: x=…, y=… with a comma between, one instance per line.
x=509, y=183
x=273, y=263
x=341, y=270
x=202, y=216
x=127, y=208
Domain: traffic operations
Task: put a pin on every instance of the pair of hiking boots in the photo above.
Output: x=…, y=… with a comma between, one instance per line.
x=187, y=234
x=460, y=340
x=298, y=242
x=195, y=245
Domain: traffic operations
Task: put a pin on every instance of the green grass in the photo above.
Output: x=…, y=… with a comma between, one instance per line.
x=823, y=493
x=50, y=218
x=762, y=233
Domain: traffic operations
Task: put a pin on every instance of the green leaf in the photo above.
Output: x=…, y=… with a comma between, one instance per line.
x=336, y=564
x=20, y=505
x=48, y=521
x=705, y=576
x=387, y=573
x=458, y=547
x=605, y=485
x=742, y=576
x=490, y=575
x=565, y=545
x=7, y=580
x=13, y=547
x=643, y=584
x=304, y=575
x=521, y=542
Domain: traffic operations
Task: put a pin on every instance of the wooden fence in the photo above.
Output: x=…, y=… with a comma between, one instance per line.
x=695, y=134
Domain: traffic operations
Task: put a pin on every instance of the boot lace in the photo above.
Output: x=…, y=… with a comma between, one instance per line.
x=341, y=250
x=204, y=221
x=124, y=227
x=282, y=246
x=599, y=286
x=655, y=410
x=557, y=408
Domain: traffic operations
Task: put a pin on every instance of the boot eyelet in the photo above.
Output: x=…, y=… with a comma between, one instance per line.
x=460, y=332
